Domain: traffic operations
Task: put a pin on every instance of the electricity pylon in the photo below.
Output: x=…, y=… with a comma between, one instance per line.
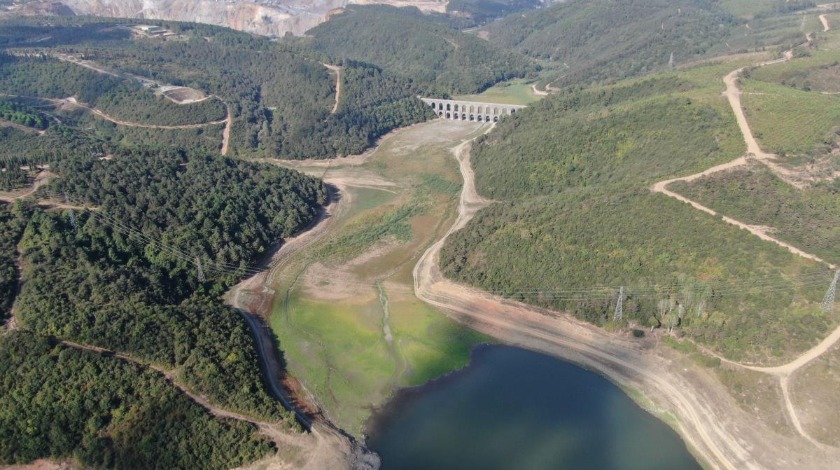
x=619, y=307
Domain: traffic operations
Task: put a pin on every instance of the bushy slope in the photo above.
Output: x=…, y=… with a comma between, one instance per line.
x=434, y=56
x=576, y=219
x=599, y=39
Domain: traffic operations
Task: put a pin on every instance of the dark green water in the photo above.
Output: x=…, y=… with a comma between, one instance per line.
x=516, y=409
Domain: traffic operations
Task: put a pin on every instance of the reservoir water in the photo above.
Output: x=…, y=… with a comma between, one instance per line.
x=516, y=409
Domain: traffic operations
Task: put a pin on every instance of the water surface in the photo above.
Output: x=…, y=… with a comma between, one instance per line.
x=516, y=409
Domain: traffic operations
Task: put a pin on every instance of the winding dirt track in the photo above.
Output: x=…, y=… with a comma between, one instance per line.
x=322, y=448
x=74, y=103
x=226, y=132
x=337, y=69
x=825, y=24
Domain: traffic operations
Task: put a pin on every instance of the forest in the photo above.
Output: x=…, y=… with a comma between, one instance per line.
x=592, y=41
x=103, y=412
x=122, y=276
x=13, y=219
x=436, y=58
x=280, y=94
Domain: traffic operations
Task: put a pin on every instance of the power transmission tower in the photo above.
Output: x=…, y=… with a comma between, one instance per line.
x=73, y=220
x=619, y=307
x=201, y=277
x=828, y=300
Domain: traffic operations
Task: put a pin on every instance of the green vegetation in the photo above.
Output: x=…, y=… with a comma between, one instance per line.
x=572, y=173
x=759, y=8
x=338, y=295
x=790, y=121
x=369, y=229
x=583, y=41
x=510, y=92
x=435, y=57
x=615, y=39
x=125, y=279
x=13, y=220
x=280, y=95
x=583, y=138
x=121, y=98
x=469, y=13
x=23, y=115
x=102, y=412
x=808, y=219
x=339, y=350
x=790, y=105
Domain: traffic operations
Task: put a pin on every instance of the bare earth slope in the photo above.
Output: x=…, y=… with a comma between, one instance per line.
x=270, y=18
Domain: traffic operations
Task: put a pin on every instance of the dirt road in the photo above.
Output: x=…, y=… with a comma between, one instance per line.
x=74, y=103
x=824, y=21
x=226, y=133
x=337, y=69
x=321, y=448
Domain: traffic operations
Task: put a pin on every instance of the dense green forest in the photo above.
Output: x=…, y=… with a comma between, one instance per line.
x=122, y=276
x=280, y=94
x=21, y=114
x=576, y=219
x=106, y=413
x=435, y=57
x=13, y=219
x=809, y=219
x=613, y=39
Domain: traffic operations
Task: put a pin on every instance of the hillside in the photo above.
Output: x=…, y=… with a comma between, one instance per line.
x=280, y=97
x=124, y=277
x=432, y=55
x=571, y=175
x=609, y=39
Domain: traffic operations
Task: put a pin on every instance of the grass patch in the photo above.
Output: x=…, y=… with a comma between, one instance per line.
x=339, y=350
x=787, y=120
x=759, y=395
x=691, y=350
x=368, y=229
x=814, y=393
x=511, y=92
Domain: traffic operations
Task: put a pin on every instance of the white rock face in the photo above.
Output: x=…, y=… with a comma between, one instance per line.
x=266, y=17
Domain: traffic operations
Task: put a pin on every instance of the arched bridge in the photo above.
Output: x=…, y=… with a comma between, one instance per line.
x=471, y=110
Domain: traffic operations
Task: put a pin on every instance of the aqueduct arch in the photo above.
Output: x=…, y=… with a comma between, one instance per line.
x=471, y=110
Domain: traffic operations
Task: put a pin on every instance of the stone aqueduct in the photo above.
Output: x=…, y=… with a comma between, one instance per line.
x=471, y=110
